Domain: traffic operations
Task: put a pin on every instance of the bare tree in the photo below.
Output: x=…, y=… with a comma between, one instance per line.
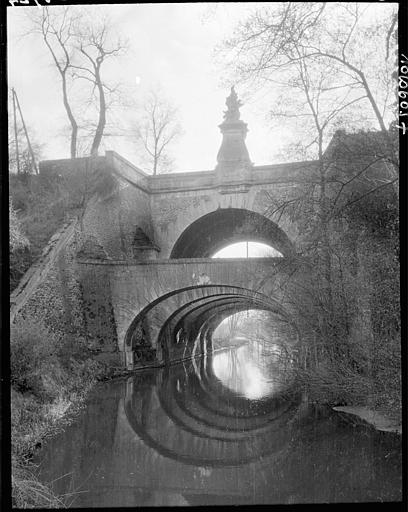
x=296, y=47
x=232, y=324
x=79, y=49
x=57, y=28
x=157, y=129
x=320, y=97
x=272, y=43
x=95, y=47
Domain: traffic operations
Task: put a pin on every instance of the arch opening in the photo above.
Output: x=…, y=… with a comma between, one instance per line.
x=181, y=324
x=225, y=226
x=247, y=249
x=253, y=353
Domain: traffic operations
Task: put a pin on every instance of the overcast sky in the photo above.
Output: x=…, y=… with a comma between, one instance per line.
x=170, y=44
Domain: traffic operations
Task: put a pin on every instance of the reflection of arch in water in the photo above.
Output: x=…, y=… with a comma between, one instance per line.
x=226, y=401
x=221, y=409
x=179, y=424
x=222, y=227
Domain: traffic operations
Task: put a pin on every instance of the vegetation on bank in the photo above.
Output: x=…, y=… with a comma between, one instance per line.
x=355, y=358
x=40, y=212
x=47, y=386
x=41, y=204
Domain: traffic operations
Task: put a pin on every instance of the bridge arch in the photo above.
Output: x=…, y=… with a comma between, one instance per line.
x=181, y=323
x=213, y=231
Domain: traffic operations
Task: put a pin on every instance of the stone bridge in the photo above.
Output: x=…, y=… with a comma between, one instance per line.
x=148, y=287
x=173, y=306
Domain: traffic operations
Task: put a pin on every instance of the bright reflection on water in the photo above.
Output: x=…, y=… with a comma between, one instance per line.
x=238, y=370
x=222, y=430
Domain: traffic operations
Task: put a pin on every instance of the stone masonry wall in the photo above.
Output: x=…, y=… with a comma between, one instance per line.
x=113, y=221
x=56, y=298
x=173, y=212
x=74, y=305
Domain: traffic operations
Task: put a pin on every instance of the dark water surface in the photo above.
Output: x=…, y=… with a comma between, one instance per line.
x=218, y=430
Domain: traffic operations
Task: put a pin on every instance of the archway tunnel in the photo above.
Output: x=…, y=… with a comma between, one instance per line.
x=225, y=226
x=181, y=324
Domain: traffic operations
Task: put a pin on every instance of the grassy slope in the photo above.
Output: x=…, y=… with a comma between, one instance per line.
x=41, y=211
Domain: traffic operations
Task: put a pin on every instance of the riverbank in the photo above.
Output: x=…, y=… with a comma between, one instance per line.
x=377, y=419
x=37, y=415
x=54, y=392
x=32, y=421
x=364, y=386
x=50, y=379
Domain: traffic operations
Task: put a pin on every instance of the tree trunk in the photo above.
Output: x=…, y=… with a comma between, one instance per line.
x=324, y=219
x=102, y=115
x=156, y=158
x=74, y=126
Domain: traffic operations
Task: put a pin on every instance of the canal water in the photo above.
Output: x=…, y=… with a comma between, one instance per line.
x=226, y=429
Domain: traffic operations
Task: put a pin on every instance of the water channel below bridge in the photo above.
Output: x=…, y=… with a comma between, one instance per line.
x=224, y=429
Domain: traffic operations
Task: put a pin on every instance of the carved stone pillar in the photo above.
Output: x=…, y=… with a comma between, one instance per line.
x=234, y=165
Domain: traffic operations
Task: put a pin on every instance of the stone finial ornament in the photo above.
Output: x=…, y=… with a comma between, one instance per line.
x=233, y=104
x=232, y=158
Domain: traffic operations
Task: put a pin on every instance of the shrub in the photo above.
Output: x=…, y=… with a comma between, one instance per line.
x=32, y=350
x=41, y=212
x=80, y=375
x=20, y=261
x=17, y=239
x=29, y=492
x=27, y=422
x=335, y=382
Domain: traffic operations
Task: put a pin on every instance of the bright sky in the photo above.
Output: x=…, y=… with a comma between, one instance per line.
x=240, y=250
x=171, y=44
